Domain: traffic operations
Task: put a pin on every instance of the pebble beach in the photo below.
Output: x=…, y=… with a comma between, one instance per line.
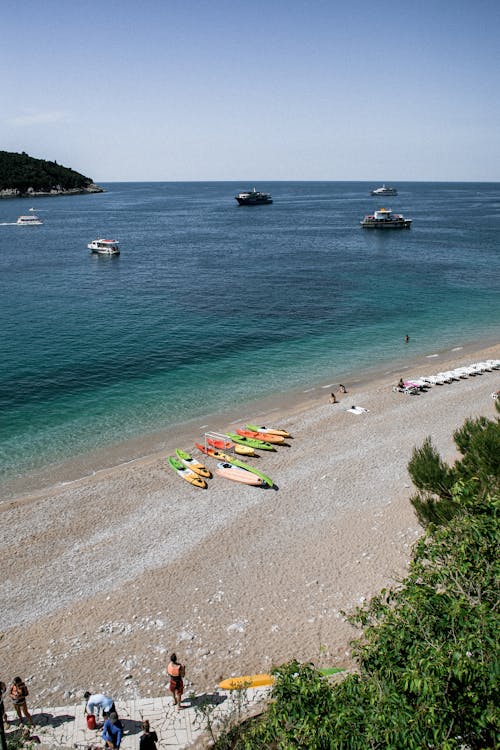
x=105, y=575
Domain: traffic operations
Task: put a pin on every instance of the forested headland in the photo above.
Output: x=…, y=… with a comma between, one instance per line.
x=23, y=175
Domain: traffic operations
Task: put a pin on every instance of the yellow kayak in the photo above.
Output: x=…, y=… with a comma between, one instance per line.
x=262, y=680
x=247, y=681
x=186, y=474
x=193, y=464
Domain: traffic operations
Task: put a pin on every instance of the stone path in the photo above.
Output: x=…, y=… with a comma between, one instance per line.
x=66, y=726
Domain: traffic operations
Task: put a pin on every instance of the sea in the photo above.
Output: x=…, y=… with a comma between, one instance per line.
x=211, y=305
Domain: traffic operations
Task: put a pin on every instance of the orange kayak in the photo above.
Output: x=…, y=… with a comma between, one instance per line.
x=228, y=444
x=266, y=436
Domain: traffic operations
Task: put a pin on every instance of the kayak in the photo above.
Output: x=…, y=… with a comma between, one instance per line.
x=236, y=461
x=270, y=430
x=193, y=464
x=266, y=436
x=262, y=680
x=187, y=474
x=252, y=442
x=244, y=450
x=237, y=474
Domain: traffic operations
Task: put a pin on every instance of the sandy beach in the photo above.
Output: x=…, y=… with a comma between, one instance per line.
x=103, y=577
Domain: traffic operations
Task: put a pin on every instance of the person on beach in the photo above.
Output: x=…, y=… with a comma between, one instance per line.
x=97, y=702
x=112, y=731
x=333, y=398
x=401, y=383
x=19, y=692
x=342, y=388
x=3, y=690
x=149, y=738
x=176, y=672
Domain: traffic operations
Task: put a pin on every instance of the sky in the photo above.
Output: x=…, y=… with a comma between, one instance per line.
x=254, y=89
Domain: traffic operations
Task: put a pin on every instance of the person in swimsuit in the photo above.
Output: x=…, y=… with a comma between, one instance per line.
x=176, y=672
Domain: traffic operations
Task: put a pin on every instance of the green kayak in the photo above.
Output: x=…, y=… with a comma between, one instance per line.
x=252, y=442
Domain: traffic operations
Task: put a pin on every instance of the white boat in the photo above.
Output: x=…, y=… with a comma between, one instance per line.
x=31, y=220
x=384, y=218
x=104, y=247
x=384, y=190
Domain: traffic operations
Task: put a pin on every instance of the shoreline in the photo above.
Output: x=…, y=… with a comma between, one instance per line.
x=90, y=465
x=105, y=577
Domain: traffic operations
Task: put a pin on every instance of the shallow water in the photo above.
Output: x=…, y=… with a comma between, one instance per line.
x=211, y=304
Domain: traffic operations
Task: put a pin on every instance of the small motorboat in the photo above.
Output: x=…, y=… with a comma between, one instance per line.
x=104, y=247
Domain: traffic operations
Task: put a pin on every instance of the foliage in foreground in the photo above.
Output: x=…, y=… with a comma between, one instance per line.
x=429, y=666
x=478, y=441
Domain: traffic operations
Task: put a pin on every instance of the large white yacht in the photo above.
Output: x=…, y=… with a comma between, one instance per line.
x=104, y=247
x=384, y=190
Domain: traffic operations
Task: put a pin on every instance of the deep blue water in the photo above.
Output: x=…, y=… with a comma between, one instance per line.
x=211, y=304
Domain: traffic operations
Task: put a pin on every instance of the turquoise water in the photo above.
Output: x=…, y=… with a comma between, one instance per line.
x=211, y=304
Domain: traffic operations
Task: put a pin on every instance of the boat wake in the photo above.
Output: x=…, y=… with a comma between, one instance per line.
x=8, y=223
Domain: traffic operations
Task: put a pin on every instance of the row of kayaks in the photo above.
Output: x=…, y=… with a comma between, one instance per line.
x=229, y=466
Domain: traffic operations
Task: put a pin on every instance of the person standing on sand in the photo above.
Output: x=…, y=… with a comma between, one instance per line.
x=148, y=740
x=176, y=672
x=19, y=692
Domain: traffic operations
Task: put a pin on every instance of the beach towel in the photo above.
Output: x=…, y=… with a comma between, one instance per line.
x=357, y=410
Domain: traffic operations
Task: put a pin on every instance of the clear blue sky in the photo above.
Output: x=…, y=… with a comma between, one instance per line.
x=254, y=89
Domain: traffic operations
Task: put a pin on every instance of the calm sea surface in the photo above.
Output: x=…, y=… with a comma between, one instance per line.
x=211, y=304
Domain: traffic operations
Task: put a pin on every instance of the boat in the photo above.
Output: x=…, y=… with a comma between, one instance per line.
x=32, y=220
x=267, y=437
x=270, y=430
x=384, y=190
x=193, y=464
x=253, y=198
x=104, y=247
x=237, y=474
x=185, y=473
x=220, y=456
x=384, y=218
x=262, y=445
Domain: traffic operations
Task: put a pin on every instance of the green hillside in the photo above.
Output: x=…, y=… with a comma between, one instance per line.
x=23, y=175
